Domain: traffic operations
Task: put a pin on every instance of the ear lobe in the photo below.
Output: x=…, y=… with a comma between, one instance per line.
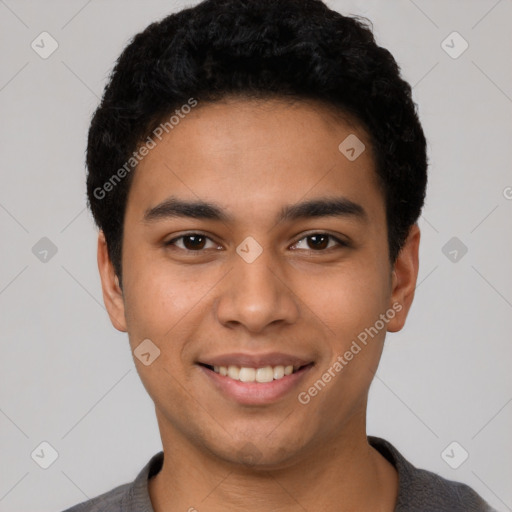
x=405, y=275
x=112, y=293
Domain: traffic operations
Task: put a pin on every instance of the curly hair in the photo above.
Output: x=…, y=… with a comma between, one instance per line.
x=298, y=49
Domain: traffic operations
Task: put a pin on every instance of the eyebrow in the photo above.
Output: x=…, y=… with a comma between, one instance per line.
x=321, y=207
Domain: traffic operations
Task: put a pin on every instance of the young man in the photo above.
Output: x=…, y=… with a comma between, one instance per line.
x=256, y=169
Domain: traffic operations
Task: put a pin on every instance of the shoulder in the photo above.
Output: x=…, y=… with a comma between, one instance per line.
x=428, y=491
x=424, y=491
x=110, y=501
x=129, y=497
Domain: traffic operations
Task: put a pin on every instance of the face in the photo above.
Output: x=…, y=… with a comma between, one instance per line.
x=278, y=264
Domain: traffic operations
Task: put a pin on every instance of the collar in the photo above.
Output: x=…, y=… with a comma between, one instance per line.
x=137, y=497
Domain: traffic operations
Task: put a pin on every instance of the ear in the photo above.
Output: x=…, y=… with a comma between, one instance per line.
x=112, y=293
x=403, y=279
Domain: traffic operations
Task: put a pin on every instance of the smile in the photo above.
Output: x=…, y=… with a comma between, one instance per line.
x=261, y=375
x=247, y=385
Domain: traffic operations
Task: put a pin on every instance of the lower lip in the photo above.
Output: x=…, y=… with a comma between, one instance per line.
x=256, y=393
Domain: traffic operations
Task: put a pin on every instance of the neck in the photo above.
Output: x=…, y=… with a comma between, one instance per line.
x=343, y=474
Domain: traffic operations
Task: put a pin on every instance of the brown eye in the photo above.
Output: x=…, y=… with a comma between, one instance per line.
x=319, y=242
x=192, y=242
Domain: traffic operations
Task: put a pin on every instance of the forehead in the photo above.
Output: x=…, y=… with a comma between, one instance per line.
x=253, y=155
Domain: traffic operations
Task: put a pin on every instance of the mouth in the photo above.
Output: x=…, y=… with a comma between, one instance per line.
x=255, y=380
x=261, y=375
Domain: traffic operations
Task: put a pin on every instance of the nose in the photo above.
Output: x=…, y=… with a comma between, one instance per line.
x=256, y=295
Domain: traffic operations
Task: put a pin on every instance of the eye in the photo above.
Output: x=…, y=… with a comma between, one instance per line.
x=192, y=242
x=196, y=242
x=319, y=242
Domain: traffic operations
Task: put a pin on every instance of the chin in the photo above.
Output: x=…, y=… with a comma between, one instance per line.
x=259, y=454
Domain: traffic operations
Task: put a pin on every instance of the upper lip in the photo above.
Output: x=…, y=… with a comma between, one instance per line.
x=255, y=360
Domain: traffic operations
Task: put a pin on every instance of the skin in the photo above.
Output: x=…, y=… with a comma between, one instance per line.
x=252, y=157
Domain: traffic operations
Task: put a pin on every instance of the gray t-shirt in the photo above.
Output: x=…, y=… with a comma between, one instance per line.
x=419, y=490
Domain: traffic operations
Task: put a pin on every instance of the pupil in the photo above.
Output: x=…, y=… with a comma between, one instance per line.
x=197, y=242
x=324, y=241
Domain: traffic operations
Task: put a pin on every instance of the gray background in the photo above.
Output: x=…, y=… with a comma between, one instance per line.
x=68, y=378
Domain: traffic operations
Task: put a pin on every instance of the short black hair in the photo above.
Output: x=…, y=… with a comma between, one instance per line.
x=294, y=49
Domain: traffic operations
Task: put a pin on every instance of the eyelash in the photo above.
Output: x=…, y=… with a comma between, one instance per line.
x=340, y=243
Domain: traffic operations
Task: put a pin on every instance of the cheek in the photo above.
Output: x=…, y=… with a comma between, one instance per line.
x=348, y=300
x=351, y=306
x=350, y=303
x=158, y=307
x=158, y=297
x=166, y=305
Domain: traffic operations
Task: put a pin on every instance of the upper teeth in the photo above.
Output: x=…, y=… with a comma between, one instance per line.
x=244, y=374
